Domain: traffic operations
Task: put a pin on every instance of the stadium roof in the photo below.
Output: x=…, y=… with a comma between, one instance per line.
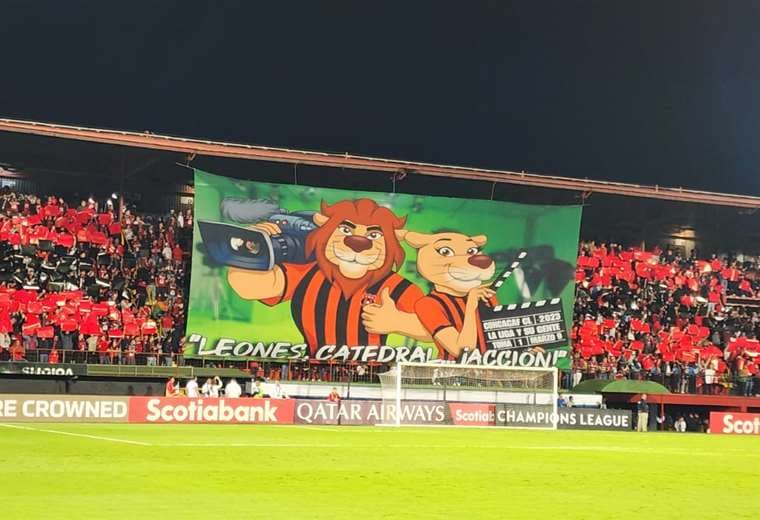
x=193, y=147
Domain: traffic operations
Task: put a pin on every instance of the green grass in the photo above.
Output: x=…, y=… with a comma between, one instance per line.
x=229, y=472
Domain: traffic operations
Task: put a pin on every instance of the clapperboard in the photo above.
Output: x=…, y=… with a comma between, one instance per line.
x=525, y=325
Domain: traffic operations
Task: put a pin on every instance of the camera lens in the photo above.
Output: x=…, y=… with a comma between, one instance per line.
x=253, y=247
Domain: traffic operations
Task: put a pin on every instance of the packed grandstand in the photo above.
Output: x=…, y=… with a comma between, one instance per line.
x=93, y=281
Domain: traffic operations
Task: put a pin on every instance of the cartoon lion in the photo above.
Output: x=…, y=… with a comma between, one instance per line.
x=457, y=268
x=349, y=294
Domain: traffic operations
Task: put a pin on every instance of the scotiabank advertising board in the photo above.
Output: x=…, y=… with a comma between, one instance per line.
x=735, y=423
x=210, y=410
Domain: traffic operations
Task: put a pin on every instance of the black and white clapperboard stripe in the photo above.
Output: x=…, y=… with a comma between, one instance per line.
x=525, y=325
x=506, y=273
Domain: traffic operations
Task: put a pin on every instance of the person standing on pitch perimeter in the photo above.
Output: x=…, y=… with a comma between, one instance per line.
x=211, y=387
x=232, y=390
x=257, y=391
x=191, y=388
x=277, y=392
x=334, y=396
x=643, y=413
x=171, y=388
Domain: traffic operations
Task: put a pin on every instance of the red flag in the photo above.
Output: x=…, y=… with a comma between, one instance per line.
x=131, y=329
x=65, y=240
x=52, y=211
x=68, y=325
x=115, y=333
x=149, y=327
x=34, y=307
x=45, y=332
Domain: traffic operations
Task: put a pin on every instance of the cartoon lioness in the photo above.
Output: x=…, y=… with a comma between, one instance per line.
x=454, y=264
x=349, y=295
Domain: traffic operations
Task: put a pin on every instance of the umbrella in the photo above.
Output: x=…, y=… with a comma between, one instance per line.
x=621, y=386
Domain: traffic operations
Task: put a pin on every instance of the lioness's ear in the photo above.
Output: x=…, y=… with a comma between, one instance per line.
x=319, y=219
x=417, y=240
x=480, y=240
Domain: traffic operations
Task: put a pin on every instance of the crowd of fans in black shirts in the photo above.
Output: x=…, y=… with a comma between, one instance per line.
x=91, y=282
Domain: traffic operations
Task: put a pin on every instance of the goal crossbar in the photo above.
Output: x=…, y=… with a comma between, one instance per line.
x=527, y=388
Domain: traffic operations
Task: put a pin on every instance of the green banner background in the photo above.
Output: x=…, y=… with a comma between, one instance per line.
x=549, y=233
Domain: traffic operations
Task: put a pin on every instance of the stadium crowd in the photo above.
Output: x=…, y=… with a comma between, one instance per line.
x=662, y=316
x=97, y=282
x=92, y=282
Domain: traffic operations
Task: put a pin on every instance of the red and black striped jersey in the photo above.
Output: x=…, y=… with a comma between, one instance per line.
x=438, y=311
x=325, y=317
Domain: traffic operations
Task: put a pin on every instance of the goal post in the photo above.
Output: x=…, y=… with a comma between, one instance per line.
x=506, y=396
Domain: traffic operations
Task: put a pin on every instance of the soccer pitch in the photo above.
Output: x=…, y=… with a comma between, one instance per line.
x=310, y=472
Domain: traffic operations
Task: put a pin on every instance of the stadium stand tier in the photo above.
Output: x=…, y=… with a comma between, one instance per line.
x=96, y=282
x=689, y=323
x=90, y=282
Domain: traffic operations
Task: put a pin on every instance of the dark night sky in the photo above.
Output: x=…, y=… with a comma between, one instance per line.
x=641, y=91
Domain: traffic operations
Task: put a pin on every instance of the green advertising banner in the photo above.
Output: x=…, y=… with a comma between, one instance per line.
x=298, y=272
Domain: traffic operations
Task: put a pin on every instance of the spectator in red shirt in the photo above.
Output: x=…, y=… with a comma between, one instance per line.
x=177, y=253
x=17, y=351
x=171, y=388
x=103, y=347
x=334, y=396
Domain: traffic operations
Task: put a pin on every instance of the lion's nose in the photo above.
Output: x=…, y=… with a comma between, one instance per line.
x=357, y=243
x=481, y=261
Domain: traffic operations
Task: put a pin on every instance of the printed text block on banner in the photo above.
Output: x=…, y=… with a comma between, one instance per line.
x=526, y=325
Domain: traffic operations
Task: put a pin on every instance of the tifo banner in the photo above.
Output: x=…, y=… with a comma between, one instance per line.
x=735, y=422
x=210, y=410
x=63, y=408
x=297, y=272
x=43, y=369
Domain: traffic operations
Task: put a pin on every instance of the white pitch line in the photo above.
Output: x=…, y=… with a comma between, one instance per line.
x=430, y=447
x=248, y=445
x=375, y=446
x=71, y=434
x=343, y=429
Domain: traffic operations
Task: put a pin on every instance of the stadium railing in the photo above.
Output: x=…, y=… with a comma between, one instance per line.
x=114, y=363
x=120, y=363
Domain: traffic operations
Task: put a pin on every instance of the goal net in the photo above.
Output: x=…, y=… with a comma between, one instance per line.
x=473, y=395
